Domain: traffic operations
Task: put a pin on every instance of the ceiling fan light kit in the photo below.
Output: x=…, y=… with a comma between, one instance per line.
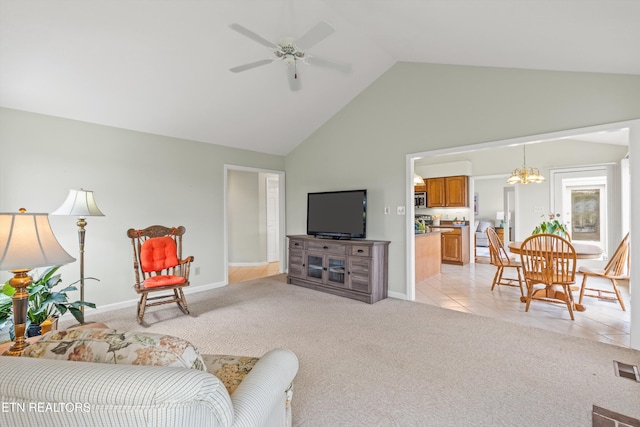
x=288, y=52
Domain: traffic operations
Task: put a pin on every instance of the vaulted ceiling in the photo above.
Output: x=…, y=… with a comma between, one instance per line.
x=162, y=66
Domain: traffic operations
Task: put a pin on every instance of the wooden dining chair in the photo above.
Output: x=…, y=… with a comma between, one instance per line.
x=616, y=269
x=549, y=260
x=159, y=267
x=499, y=257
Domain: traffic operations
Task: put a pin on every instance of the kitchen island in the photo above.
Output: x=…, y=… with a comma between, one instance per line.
x=428, y=250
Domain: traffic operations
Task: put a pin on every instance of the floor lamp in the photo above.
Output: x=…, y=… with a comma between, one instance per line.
x=80, y=203
x=26, y=242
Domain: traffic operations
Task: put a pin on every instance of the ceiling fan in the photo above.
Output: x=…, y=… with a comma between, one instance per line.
x=290, y=51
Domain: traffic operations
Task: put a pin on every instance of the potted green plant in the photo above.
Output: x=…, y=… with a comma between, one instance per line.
x=6, y=317
x=551, y=226
x=45, y=303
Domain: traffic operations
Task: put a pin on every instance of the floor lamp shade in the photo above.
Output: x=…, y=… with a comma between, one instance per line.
x=26, y=242
x=79, y=203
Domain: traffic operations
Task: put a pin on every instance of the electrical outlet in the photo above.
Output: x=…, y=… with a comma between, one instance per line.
x=538, y=210
x=401, y=210
x=196, y=271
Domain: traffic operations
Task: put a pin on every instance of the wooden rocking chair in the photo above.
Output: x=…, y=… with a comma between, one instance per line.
x=159, y=267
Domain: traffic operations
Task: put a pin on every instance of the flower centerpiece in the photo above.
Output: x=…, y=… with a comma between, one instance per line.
x=551, y=225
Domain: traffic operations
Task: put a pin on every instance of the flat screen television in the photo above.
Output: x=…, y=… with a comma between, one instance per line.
x=337, y=214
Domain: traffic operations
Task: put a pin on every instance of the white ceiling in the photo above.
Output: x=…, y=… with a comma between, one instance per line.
x=162, y=66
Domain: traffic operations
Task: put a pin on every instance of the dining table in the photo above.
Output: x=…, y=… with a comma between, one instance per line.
x=583, y=251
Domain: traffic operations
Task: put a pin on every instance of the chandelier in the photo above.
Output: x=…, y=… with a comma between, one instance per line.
x=525, y=175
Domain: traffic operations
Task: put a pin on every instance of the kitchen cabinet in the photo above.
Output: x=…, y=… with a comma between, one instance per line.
x=455, y=245
x=448, y=192
x=354, y=269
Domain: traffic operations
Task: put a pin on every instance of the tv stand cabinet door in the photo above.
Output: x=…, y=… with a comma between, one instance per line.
x=297, y=258
x=360, y=274
x=296, y=263
x=326, y=269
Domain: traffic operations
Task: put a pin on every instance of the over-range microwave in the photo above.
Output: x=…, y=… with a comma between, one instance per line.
x=420, y=200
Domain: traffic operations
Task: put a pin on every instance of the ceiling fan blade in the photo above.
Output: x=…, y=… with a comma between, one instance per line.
x=342, y=67
x=253, y=36
x=321, y=31
x=294, y=78
x=251, y=65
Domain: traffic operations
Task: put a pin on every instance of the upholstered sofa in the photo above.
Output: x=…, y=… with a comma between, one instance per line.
x=101, y=377
x=481, y=233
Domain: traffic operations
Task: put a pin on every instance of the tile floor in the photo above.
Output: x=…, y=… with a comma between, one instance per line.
x=468, y=288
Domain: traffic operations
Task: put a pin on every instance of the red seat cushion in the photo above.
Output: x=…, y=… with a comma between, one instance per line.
x=167, y=280
x=158, y=253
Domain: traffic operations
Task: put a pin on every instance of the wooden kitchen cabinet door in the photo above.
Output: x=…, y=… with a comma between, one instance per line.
x=435, y=193
x=456, y=191
x=451, y=248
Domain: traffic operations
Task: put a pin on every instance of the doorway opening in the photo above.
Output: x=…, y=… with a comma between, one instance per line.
x=587, y=201
x=598, y=134
x=254, y=223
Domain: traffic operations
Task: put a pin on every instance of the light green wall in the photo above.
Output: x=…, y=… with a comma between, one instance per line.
x=490, y=197
x=243, y=219
x=138, y=180
x=246, y=218
x=420, y=107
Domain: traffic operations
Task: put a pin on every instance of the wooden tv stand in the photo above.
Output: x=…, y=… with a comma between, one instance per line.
x=356, y=269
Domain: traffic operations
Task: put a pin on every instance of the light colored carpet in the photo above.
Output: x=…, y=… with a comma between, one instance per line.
x=400, y=363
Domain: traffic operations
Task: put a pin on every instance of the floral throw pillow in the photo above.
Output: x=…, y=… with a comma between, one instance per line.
x=110, y=346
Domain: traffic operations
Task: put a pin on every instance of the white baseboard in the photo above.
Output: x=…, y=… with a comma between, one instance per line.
x=247, y=264
x=396, y=295
x=134, y=302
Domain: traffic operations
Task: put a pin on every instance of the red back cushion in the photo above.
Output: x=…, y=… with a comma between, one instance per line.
x=158, y=253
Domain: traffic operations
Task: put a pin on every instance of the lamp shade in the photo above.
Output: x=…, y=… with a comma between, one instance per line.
x=27, y=241
x=79, y=203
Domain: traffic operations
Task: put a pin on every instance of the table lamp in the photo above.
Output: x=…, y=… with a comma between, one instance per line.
x=80, y=203
x=26, y=242
x=500, y=217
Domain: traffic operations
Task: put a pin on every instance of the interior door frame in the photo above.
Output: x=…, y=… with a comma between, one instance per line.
x=281, y=213
x=270, y=178
x=472, y=191
x=611, y=172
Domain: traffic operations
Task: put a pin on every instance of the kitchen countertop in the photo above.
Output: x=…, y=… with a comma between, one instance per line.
x=433, y=230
